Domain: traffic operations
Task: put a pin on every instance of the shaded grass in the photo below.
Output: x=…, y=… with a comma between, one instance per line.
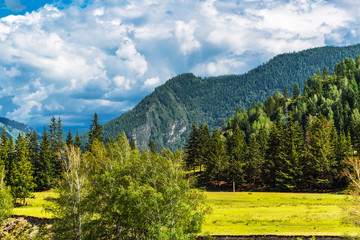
x=277, y=213
x=36, y=206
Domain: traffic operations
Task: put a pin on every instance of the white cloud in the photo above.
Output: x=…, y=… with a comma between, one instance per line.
x=106, y=56
x=151, y=82
x=185, y=35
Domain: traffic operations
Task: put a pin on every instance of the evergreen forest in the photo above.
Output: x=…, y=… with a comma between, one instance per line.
x=291, y=142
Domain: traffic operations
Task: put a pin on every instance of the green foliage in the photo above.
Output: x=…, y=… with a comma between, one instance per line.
x=21, y=179
x=300, y=141
x=95, y=131
x=43, y=170
x=6, y=204
x=115, y=192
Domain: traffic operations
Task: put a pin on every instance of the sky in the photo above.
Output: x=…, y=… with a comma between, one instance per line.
x=72, y=58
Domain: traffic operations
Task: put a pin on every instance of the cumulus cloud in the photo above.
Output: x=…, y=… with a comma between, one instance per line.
x=104, y=56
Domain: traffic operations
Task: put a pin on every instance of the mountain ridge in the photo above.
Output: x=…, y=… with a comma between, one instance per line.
x=165, y=115
x=13, y=128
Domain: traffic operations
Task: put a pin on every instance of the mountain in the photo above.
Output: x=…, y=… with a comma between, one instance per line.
x=165, y=116
x=13, y=128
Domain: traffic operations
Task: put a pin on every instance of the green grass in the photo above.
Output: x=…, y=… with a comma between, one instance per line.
x=254, y=213
x=277, y=213
x=36, y=206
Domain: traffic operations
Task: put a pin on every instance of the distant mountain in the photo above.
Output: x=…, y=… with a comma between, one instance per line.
x=13, y=128
x=165, y=116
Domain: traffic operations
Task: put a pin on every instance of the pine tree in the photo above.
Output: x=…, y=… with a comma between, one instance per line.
x=44, y=170
x=296, y=91
x=95, y=131
x=22, y=184
x=69, y=139
x=132, y=144
x=218, y=159
x=56, y=144
x=203, y=145
x=237, y=153
x=77, y=142
x=192, y=148
x=273, y=172
x=321, y=155
x=286, y=93
x=152, y=147
x=33, y=146
x=293, y=150
x=255, y=161
x=4, y=150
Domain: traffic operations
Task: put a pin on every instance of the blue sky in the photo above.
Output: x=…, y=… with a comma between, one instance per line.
x=73, y=58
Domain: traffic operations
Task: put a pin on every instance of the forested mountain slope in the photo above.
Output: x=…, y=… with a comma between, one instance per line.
x=13, y=128
x=306, y=142
x=166, y=115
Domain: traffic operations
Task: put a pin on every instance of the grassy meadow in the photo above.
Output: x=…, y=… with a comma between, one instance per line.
x=277, y=213
x=36, y=206
x=254, y=213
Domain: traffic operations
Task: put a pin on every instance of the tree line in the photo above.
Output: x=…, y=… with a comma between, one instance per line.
x=287, y=143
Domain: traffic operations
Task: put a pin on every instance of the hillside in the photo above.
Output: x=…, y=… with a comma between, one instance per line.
x=166, y=115
x=13, y=128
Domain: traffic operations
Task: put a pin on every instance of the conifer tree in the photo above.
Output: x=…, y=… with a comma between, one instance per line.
x=95, y=131
x=56, y=144
x=273, y=169
x=218, y=159
x=321, y=155
x=77, y=142
x=69, y=138
x=192, y=148
x=203, y=144
x=132, y=144
x=33, y=146
x=44, y=170
x=152, y=147
x=22, y=184
x=286, y=92
x=237, y=152
x=255, y=161
x=296, y=91
x=293, y=150
x=4, y=151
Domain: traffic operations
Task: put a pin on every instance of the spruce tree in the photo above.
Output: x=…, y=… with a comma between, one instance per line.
x=296, y=91
x=203, y=145
x=273, y=172
x=95, y=131
x=192, y=148
x=293, y=149
x=33, y=146
x=321, y=155
x=22, y=184
x=152, y=147
x=44, y=170
x=69, y=138
x=286, y=92
x=132, y=144
x=4, y=151
x=237, y=154
x=77, y=142
x=218, y=158
x=254, y=163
